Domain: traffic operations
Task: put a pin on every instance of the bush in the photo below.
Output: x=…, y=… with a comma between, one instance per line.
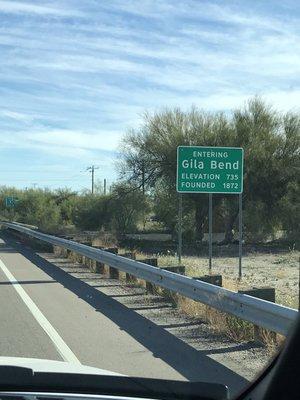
x=91, y=212
x=128, y=207
x=289, y=208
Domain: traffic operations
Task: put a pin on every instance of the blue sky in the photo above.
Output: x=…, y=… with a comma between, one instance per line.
x=76, y=75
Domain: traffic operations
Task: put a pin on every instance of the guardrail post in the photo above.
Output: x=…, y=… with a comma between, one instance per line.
x=132, y=255
x=150, y=287
x=83, y=260
x=56, y=250
x=213, y=279
x=97, y=266
x=72, y=255
x=64, y=253
x=79, y=258
x=176, y=269
x=179, y=269
x=113, y=272
x=264, y=293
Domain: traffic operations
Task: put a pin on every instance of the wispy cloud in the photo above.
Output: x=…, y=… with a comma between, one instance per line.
x=75, y=139
x=66, y=143
x=18, y=7
x=74, y=76
x=17, y=116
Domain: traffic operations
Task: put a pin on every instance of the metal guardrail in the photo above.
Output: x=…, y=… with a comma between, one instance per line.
x=27, y=225
x=263, y=313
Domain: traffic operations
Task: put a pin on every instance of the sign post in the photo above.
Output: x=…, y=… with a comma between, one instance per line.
x=210, y=230
x=240, y=233
x=212, y=170
x=180, y=228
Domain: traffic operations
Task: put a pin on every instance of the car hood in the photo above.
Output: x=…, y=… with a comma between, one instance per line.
x=41, y=365
x=37, y=376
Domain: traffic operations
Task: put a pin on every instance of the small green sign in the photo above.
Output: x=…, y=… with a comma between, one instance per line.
x=10, y=201
x=210, y=169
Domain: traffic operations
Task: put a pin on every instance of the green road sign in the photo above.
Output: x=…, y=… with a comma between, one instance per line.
x=10, y=201
x=209, y=169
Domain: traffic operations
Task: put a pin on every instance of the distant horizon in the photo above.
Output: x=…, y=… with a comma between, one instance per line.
x=75, y=76
x=86, y=186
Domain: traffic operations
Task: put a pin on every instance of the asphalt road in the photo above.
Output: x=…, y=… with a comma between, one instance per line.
x=47, y=313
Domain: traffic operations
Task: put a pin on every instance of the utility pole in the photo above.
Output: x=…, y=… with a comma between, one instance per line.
x=92, y=170
x=104, y=187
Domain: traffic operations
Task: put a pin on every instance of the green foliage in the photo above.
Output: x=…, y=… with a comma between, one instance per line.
x=34, y=207
x=271, y=146
x=165, y=207
x=271, y=142
x=128, y=207
x=149, y=153
x=289, y=208
x=37, y=209
x=259, y=223
x=52, y=211
x=66, y=200
x=91, y=212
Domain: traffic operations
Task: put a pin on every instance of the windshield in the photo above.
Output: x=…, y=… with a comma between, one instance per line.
x=149, y=193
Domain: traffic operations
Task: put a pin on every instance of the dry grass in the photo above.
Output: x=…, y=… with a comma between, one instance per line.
x=275, y=270
x=259, y=270
x=221, y=323
x=105, y=239
x=234, y=328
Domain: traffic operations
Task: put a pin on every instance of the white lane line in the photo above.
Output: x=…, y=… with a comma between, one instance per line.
x=63, y=349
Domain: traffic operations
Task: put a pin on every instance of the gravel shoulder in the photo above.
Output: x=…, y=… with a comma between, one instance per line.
x=246, y=359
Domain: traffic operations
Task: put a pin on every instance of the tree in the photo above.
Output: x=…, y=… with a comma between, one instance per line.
x=289, y=208
x=165, y=205
x=271, y=146
x=37, y=207
x=66, y=199
x=152, y=149
x=127, y=207
x=92, y=212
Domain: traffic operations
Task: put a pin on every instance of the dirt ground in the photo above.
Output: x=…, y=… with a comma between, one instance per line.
x=262, y=266
x=279, y=270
